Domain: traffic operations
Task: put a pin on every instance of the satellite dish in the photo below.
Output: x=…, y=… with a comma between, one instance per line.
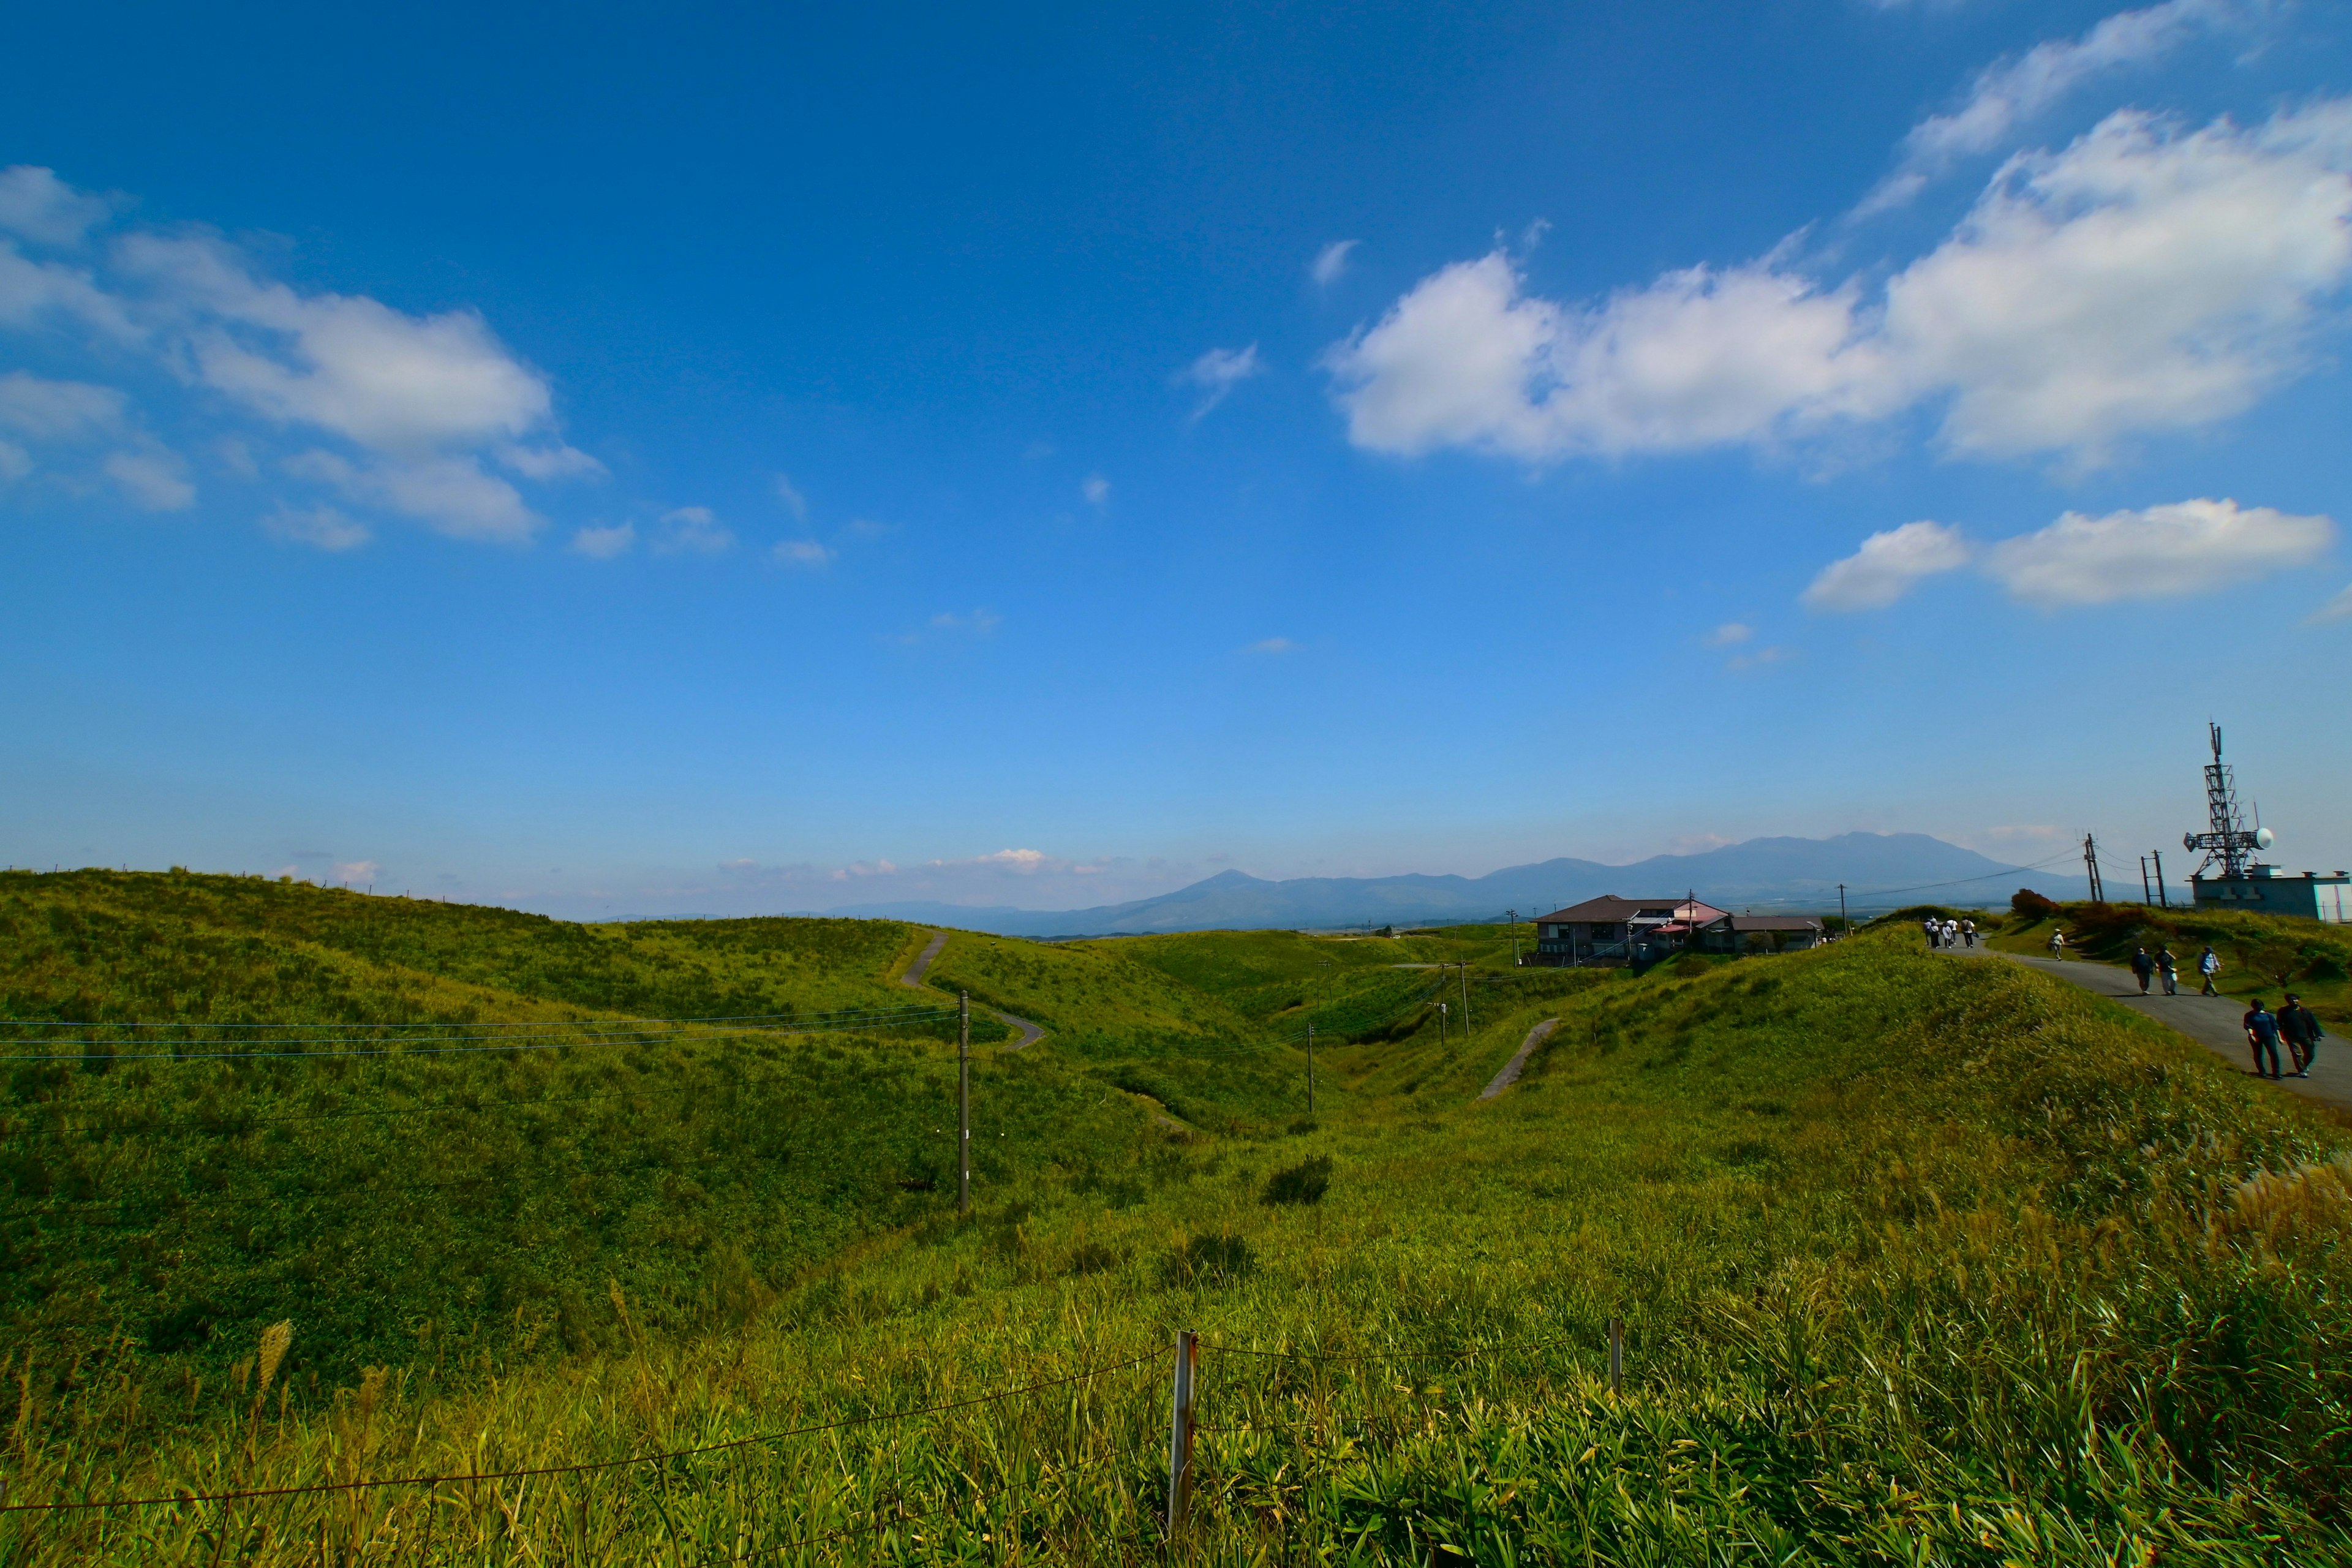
x=2263, y=839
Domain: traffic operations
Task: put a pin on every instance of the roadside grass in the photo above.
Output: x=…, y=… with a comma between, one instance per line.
x=1920, y=1262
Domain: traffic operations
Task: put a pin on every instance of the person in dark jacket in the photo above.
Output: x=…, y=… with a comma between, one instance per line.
x=2262, y=1035
x=2145, y=967
x=2170, y=967
x=2299, y=1027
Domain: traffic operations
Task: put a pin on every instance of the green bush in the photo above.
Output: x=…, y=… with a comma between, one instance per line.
x=1305, y=1183
x=2027, y=904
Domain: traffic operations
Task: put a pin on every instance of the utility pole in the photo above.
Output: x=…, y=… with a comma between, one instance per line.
x=963, y=1102
x=1310, y=1070
x=2163, y=899
x=2147, y=894
x=1515, y=936
x=1846, y=923
x=1466, y=1001
x=2091, y=868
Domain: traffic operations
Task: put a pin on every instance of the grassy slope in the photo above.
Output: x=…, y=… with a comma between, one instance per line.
x=462, y=1203
x=1921, y=1262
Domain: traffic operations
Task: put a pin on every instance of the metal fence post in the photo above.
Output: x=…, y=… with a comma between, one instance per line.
x=963, y=1102
x=1180, y=1431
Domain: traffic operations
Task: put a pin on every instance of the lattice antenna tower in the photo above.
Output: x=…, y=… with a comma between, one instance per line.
x=2226, y=841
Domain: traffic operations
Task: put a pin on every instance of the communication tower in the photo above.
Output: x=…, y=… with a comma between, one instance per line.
x=2227, y=844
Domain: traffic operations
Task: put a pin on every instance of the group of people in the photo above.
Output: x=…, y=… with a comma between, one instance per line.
x=2162, y=964
x=2293, y=1023
x=1950, y=934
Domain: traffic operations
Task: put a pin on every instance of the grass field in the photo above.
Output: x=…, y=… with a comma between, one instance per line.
x=1920, y=1262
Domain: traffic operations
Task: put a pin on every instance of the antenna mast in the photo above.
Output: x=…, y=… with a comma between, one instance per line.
x=2225, y=840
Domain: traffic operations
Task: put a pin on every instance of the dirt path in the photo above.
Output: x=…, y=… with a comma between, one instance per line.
x=1517, y=1064
x=913, y=980
x=2211, y=1021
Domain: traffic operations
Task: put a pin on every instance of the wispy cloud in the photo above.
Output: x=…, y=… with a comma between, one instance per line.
x=604, y=544
x=1330, y=262
x=1887, y=566
x=794, y=502
x=1217, y=372
x=320, y=527
x=1095, y=489
x=2006, y=95
x=1730, y=633
x=803, y=552
x=692, y=530
x=1272, y=645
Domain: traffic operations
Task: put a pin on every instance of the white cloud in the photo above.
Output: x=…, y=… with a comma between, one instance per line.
x=344, y=363
x=552, y=461
x=35, y=204
x=1887, y=566
x=603, y=544
x=979, y=623
x=1759, y=660
x=1730, y=633
x=2006, y=95
x=2338, y=608
x=692, y=530
x=794, y=502
x=322, y=528
x=2140, y=280
x=2162, y=551
x=14, y=461
x=859, y=870
x=1272, y=645
x=868, y=528
x=351, y=872
x=1217, y=372
x=44, y=410
x=155, y=480
x=451, y=495
x=1330, y=262
x=415, y=403
x=1095, y=489
x=803, y=552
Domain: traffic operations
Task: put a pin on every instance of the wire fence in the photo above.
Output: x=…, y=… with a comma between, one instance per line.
x=890, y=1511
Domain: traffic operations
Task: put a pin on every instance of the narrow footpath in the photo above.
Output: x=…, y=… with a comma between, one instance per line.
x=2211, y=1021
x=913, y=980
x=1519, y=1064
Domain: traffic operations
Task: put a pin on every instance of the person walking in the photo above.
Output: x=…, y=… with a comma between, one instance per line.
x=2057, y=944
x=2144, y=967
x=2208, y=966
x=1969, y=932
x=2170, y=967
x=1933, y=930
x=1951, y=933
x=2299, y=1026
x=2262, y=1035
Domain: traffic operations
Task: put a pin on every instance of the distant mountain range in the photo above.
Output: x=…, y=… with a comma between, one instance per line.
x=1881, y=871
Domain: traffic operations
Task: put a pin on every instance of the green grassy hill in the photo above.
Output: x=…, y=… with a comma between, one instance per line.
x=1919, y=1262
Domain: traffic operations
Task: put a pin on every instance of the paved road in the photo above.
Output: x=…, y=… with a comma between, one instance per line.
x=1517, y=1064
x=2211, y=1021
x=913, y=980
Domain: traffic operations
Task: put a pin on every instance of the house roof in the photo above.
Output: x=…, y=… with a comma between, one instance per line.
x=1775, y=922
x=1613, y=910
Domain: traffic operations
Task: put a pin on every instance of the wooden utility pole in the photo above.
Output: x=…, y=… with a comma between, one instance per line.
x=1310, y=1070
x=2163, y=899
x=1466, y=1001
x=1845, y=923
x=2091, y=870
x=963, y=1102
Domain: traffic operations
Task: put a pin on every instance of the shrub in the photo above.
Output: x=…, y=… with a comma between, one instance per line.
x=1217, y=1259
x=1305, y=1183
x=1689, y=966
x=1090, y=1258
x=1305, y=1124
x=2029, y=905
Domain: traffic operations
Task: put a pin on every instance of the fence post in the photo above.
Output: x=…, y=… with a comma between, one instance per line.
x=1180, y=1432
x=963, y=1102
x=1616, y=1355
x=1310, y=1070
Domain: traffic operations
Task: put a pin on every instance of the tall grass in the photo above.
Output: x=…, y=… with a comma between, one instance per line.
x=1919, y=1262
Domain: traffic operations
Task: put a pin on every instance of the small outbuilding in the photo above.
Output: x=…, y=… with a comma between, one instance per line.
x=1776, y=933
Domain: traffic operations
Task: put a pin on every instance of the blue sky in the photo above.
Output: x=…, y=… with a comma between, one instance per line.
x=778, y=459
